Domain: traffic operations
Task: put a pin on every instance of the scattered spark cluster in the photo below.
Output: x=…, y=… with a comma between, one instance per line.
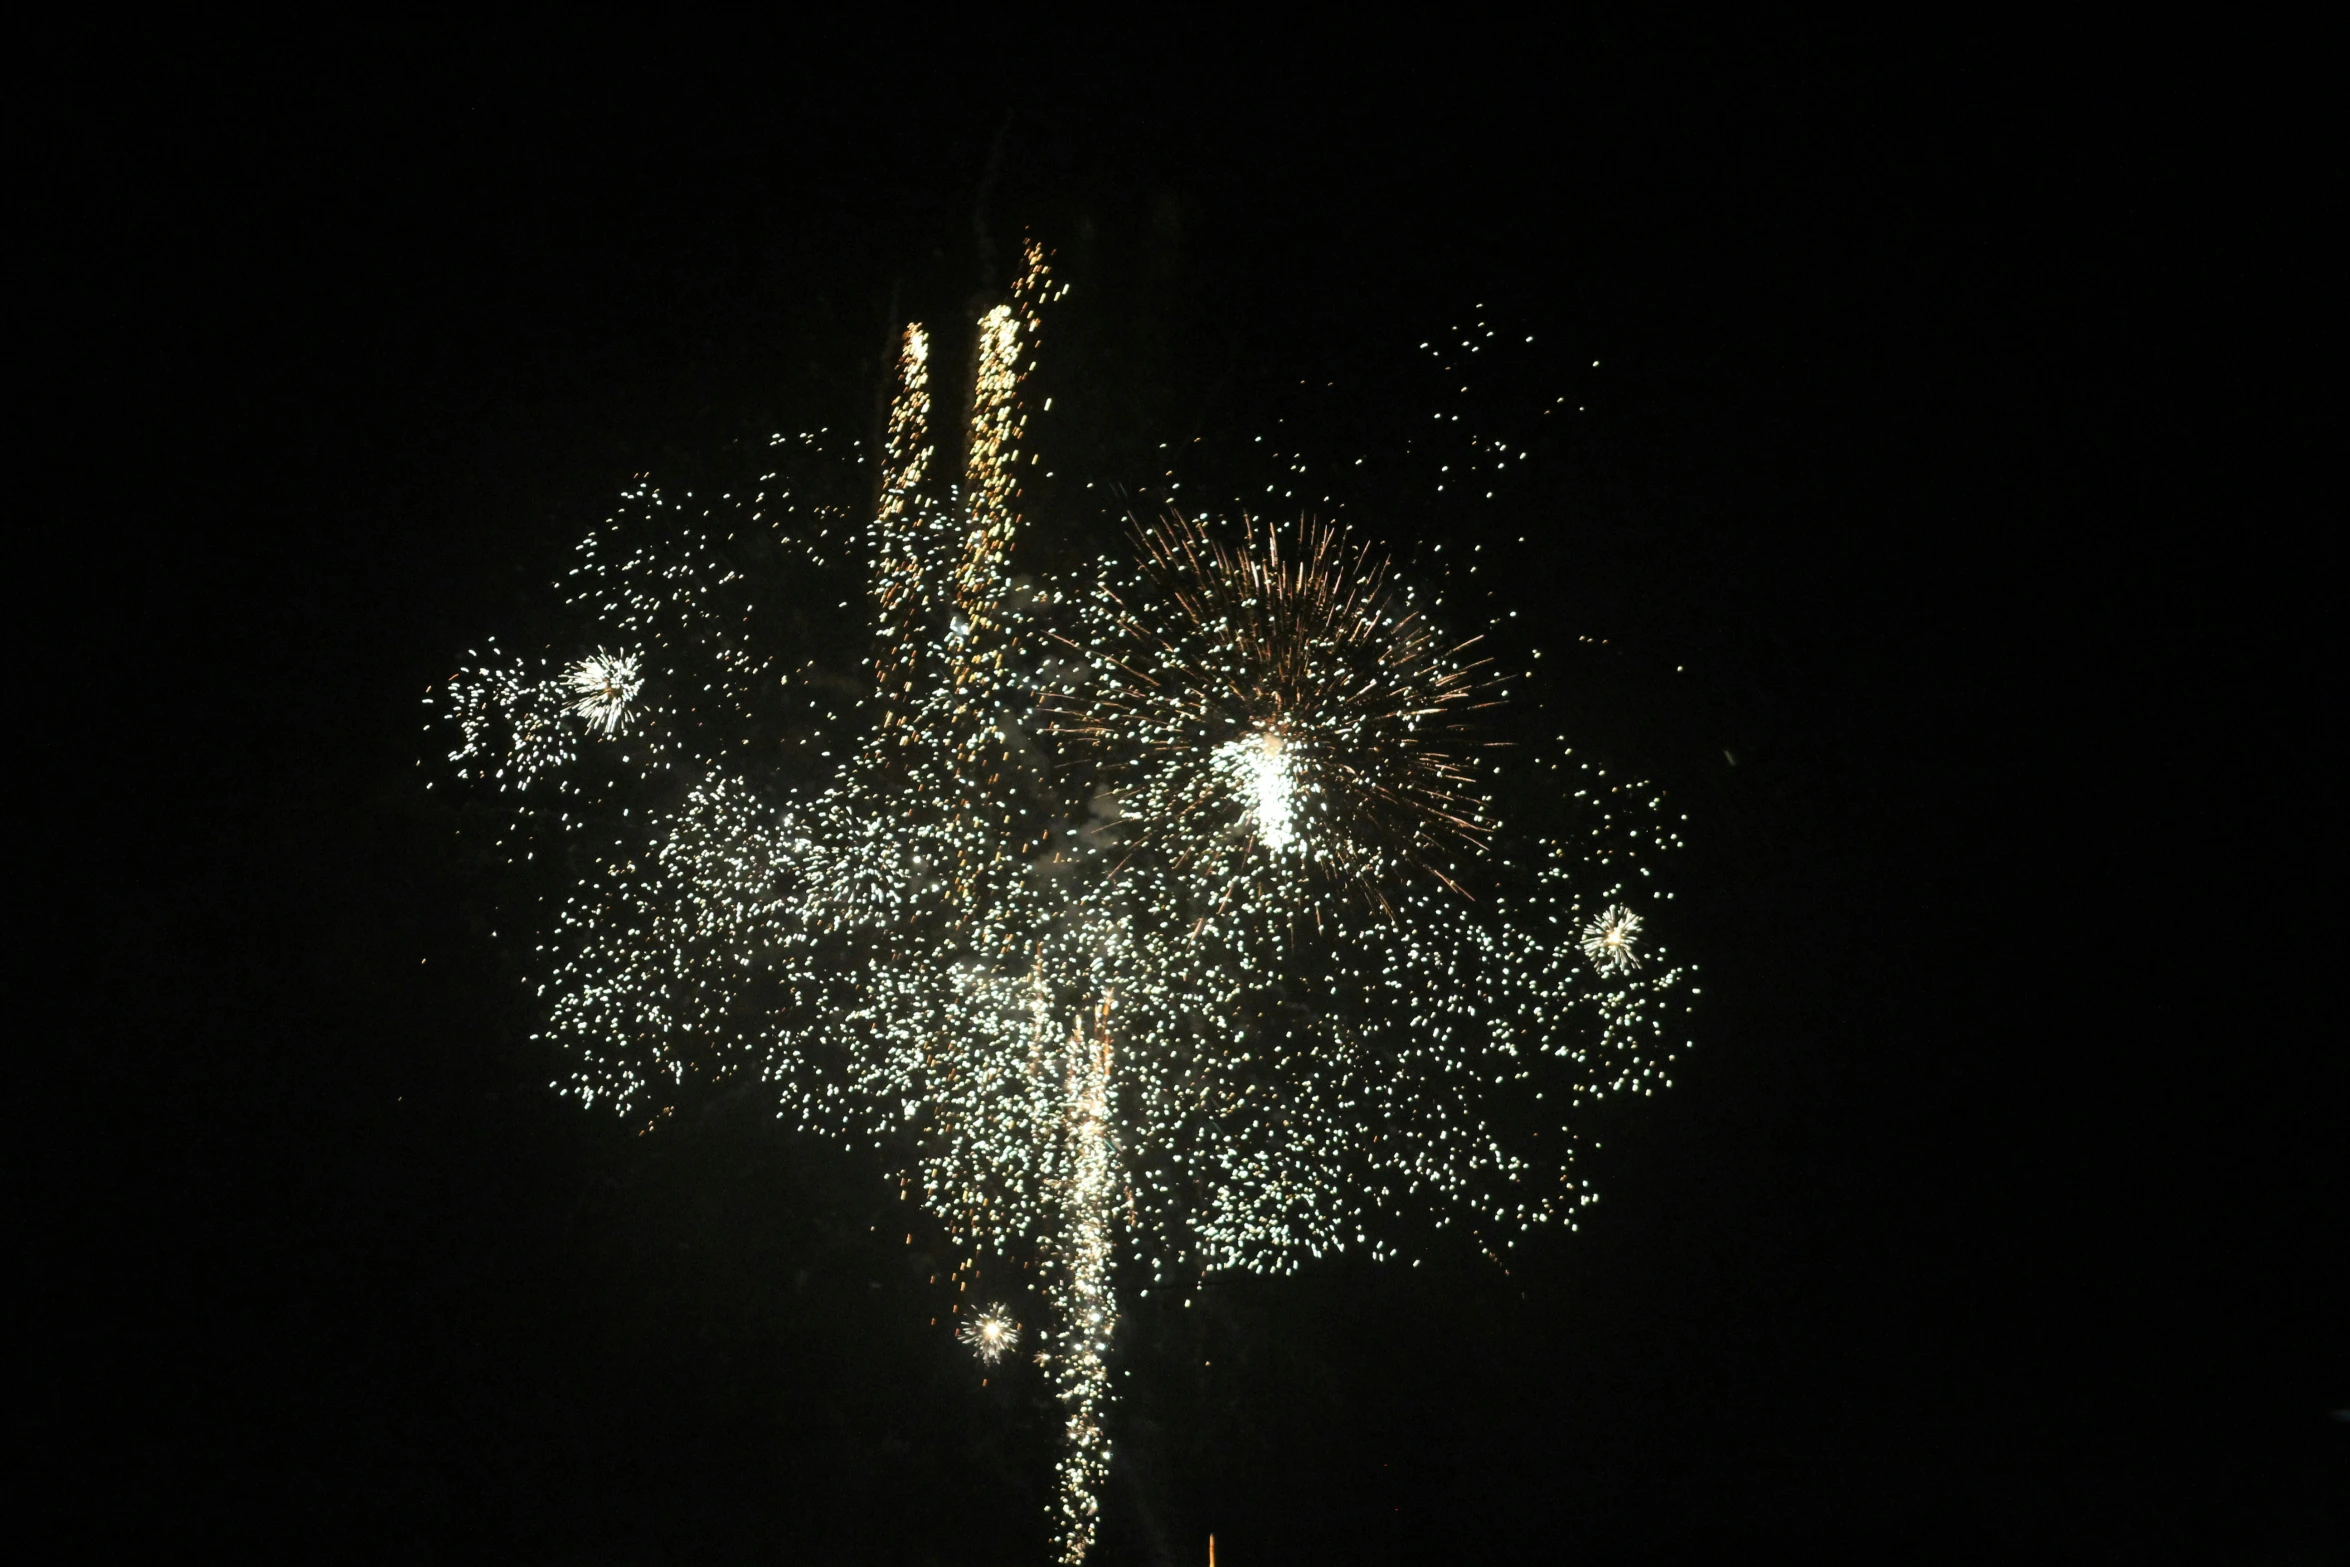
x=1156, y=919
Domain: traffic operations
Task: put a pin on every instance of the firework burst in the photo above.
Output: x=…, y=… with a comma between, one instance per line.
x=602, y=686
x=1609, y=939
x=1249, y=1015
x=1294, y=702
x=991, y=1334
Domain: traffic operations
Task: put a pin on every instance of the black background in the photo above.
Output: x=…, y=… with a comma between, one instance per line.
x=1946, y=439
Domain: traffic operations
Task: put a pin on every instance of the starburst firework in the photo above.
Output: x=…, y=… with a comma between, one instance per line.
x=1295, y=693
x=992, y=1334
x=603, y=685
x=1250, y=1015
x=1609, y=939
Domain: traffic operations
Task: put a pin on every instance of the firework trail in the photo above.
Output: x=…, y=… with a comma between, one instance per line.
x=1293, y=990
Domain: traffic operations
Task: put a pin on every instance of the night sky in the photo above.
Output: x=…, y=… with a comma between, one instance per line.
x=1997, y=1213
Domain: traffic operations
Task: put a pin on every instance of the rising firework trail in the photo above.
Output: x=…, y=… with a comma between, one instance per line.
x=1294, y=988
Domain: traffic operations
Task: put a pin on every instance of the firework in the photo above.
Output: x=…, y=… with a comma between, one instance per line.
x=1609, y=938
x=992, y=1334
x=603, y=685
x=1261, y=766
x=1290, y=991
x=1081, y=1254
x=1294, y=695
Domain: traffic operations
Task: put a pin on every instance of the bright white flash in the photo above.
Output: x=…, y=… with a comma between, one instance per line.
x=602, y=686
x=1260, y=768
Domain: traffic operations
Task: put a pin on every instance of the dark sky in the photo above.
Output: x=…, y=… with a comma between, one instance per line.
x=1995, y=1216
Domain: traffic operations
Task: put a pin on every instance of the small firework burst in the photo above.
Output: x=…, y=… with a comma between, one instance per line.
x=992, y=1334
x=1283, y=694
x=1609, y=939
x=602, y=686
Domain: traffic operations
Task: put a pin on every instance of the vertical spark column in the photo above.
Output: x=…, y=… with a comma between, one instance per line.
x=897, y=550
x=978, y=636
x=1081, y=1286
x=991, y=479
